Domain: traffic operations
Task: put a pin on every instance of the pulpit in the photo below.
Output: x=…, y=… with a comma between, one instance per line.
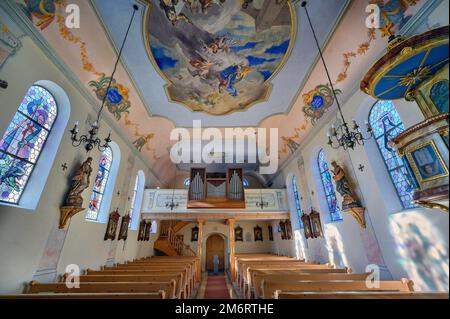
x=416, y=69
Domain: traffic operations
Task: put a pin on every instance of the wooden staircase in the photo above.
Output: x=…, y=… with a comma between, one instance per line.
x=169, y=243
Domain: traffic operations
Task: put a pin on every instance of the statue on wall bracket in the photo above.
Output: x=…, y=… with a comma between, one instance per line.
x=74, y=201
x=350, y=204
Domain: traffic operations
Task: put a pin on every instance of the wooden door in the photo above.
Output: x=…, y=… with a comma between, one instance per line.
x=215, y=245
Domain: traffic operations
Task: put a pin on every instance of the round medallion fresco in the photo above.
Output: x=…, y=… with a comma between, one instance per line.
x=218, y=56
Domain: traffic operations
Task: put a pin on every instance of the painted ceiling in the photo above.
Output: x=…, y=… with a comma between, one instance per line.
x=215, y=64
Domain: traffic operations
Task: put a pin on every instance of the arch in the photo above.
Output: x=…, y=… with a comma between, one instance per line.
x=105, y=180
x=45, y=128
x=386, y=124
x=136, y=202
x=328, y=187
x=215, y=245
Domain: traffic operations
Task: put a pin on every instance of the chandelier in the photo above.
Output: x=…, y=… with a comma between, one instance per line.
x=262, y=204
x=91, y=139
x=172, y=204
x=341, y=135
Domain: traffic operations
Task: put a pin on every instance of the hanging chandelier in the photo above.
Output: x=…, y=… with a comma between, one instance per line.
x=340, y=135
x=91, y=140
x=262, y=204
x=172, y=204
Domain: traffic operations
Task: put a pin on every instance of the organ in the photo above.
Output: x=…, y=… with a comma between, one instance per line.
x=216, y=189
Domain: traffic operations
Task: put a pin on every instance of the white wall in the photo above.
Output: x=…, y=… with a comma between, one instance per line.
x=24, y=233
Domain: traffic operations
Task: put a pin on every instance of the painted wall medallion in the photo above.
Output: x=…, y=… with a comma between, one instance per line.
x=217, y=56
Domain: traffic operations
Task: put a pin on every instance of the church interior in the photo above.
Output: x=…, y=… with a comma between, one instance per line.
x=224, y=149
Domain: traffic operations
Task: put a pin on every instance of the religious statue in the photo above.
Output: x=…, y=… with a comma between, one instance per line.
x=350, y=203
x=80, y=182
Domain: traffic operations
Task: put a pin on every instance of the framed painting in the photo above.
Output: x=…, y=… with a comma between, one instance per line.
x=111, y=228
x=258, y=233
x=141, y=231
x=316, y=225
x=148, y=231
x=307, y=226
x=288, y=229
x=426, y=162
x=194, y=234
x=238, y=234
x=124, y=224
x=283, y=230
x=270, y=233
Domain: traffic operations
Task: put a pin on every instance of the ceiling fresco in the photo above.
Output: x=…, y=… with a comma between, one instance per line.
x=140, y=101
x=215, y=55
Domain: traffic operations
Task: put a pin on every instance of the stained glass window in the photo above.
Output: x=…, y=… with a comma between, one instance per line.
x=187, y=182
x=297, y=201
x=386, y=124
x=328, y=187
x=245, y=182
x=101, y=180
x=133, y=199
x=23, y=141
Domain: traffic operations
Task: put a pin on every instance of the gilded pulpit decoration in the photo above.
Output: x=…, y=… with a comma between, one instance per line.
x=111, y=228
x=350, y=204
x=74, y=201
x=258, y=233
x=124, y=224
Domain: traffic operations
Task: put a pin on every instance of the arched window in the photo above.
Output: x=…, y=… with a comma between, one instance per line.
x=133, y=200
x=136, y=200
x=297, y=201
x=245, y=182
x=24, y=140
x=187, y=182
x=328, y=187
x=101, y=180
x=386, y=124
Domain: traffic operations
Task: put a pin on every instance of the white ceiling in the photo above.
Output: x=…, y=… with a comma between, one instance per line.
x=151, y=86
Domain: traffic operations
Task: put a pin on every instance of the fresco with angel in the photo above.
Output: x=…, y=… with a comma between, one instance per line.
x=218, y=56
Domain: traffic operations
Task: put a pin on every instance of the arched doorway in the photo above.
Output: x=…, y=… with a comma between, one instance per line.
x=215, y=246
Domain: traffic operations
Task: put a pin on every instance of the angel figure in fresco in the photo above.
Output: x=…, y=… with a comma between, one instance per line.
x=232, y=75
x=80, y=182
x=43, y=10
x=171, y=13
x=290, y=143
x=206, y=4
x=142, y=141
x=201, y=66
x=343, y=187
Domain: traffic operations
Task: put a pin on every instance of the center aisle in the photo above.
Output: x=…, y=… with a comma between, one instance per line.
x=216, y=287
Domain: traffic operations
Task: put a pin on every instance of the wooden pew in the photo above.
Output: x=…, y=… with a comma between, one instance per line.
x=156, y=268
x=105, y=287
x=294, y=265
x=152, y=295
x=181, y=292
x=269, y=287
x=295, y=276
x=360, y=295
x=187, y=282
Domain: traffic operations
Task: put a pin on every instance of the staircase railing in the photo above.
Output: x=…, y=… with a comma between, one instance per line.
x=177, y=243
